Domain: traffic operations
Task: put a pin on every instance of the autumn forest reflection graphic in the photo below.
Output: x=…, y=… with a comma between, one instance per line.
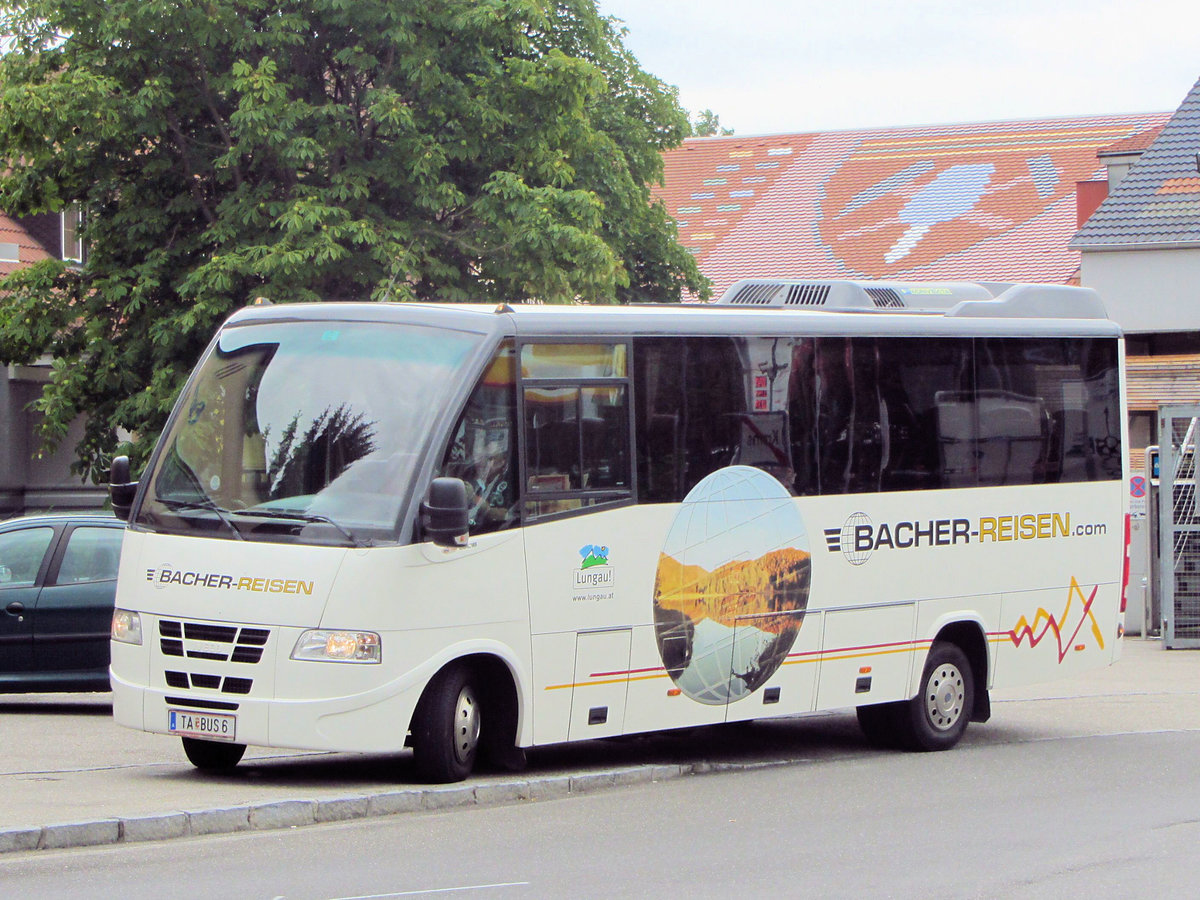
x=730, y=593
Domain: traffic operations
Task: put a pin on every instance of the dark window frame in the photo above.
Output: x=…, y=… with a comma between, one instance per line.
x=591, y=499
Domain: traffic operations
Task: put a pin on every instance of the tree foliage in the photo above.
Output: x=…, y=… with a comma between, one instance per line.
x=223, y=150
x=708, y=124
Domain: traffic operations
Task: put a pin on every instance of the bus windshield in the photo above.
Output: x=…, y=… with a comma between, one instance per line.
x=303, y=432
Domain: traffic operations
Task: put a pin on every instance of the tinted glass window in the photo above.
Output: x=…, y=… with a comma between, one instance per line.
x=573, y=361
x=552, y=439
x=839, y=415
x=661, y=419
x=577, y=438
x=92, y=554
x=1049, y=410
x=483, y=450
x=691, y=412
x=847, y=426
x=714, y=383
x=575, y=426
x=925, y=390
x=21, y=555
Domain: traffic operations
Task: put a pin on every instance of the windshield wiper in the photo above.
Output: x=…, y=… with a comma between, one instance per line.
x=209, y=505
x=297, y=515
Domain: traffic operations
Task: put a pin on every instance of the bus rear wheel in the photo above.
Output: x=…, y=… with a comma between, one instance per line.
x=447, y=726
x=212, y=756
x=937, y=717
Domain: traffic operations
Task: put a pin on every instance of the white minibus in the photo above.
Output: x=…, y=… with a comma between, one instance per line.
x=471, y=530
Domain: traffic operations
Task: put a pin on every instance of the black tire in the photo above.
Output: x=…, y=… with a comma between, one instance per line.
x=879, y=723
x=936, y=718
x=447, y=726
x=212, y=756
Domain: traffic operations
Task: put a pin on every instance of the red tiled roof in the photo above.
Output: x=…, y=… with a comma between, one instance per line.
x=1135, y=144
x=989, y=201
x=30, y=249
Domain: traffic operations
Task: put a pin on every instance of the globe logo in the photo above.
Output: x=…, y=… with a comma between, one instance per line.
x=732, y=585
x=854, y=556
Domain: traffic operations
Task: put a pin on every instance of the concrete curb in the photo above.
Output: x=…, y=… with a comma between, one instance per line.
x=298, y=813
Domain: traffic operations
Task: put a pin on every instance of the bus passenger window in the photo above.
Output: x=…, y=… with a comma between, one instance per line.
x=577, y=438
x=576, y=426
x=1061, y=410
x=849, y=430
x=930, y=407
x=552, y=438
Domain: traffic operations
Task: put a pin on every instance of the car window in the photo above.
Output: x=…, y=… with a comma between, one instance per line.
x=92, y=554
x=21, y=555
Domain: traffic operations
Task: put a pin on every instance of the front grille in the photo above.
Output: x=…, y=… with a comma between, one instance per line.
x=227, y=685
x=245, y=644
x=237, y=686
x=197, y=631
x=255, y=636
x=201, y=704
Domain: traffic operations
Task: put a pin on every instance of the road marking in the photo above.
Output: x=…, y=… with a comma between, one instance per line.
x=449, y=890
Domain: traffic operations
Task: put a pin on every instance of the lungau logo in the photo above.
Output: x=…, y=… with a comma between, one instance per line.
x=594, y=570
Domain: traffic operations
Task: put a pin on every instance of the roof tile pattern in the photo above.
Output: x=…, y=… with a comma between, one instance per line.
x=26, y=237
x=989, y=201
x=1159, y=200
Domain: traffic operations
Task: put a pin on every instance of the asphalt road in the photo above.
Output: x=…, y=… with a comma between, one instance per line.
x=1046, y=819
x=69, y=776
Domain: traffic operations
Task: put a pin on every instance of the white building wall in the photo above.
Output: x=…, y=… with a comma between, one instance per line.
x=1147, y=290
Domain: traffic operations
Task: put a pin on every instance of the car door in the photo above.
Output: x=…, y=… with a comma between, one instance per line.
x=74, y=608
x=24, y=558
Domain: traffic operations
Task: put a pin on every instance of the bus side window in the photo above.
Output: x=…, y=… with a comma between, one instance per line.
x=482, y=452
x=930, y=413
x=576, y=426
x=849, y=436
x=1055, y=411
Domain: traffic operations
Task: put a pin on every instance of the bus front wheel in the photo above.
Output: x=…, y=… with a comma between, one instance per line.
x=212, y=756
x=447, y=726
x=937, y=716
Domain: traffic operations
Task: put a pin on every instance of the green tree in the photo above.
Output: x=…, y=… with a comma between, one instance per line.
x=707, y=124
x=223, y=150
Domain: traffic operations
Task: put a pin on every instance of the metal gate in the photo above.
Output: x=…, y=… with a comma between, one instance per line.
x=1179, y=526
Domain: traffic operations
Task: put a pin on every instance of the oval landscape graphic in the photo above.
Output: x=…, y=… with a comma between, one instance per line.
x=732, y=585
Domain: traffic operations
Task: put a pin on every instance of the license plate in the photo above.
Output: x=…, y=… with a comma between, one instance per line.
x=210, y=726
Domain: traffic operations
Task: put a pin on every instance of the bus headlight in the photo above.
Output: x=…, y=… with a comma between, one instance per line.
x=126, y=626
x=339, y=646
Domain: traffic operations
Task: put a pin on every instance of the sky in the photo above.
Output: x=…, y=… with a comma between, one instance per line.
x=773, y=66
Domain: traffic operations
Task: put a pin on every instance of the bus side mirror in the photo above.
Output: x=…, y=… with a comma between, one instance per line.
x=445, y=514
x=121, y=490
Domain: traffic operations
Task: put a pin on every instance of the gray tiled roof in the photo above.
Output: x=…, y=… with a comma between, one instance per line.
x=1158, y=202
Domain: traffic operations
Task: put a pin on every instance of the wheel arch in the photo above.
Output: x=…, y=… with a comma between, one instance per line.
x=499, y=682
x=969, y=636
